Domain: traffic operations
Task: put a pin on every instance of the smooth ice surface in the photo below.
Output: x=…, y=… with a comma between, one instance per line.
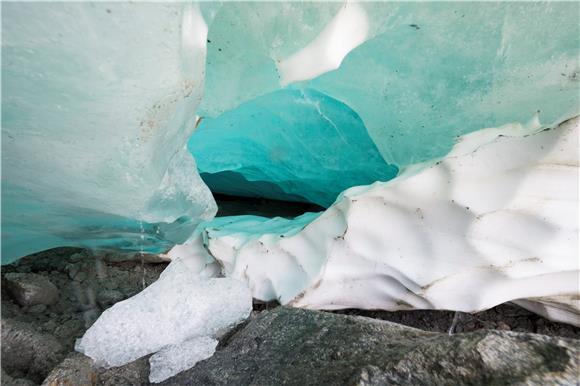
x=98, y=100
x=416, y=74
x=348, y=29
x=495, y=221
x=174, y=359
x=179, y=306
x=310, y=146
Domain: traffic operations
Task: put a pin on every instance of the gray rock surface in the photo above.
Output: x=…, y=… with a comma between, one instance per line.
x=27, y=352
x=8, y=380
x=316, y=344
x=76, y=369
x=30, y=289
x=36, y=338
x=299, y=347
x=108, y=297
x=79, y=370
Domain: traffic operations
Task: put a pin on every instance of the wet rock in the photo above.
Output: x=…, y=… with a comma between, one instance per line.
x=301, y=347
x=76, y=369
x=27, y=351
x=29, y=289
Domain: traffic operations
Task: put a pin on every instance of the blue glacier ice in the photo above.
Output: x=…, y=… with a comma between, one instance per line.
x=308, y=145
x=99, y=102
x=423, y=75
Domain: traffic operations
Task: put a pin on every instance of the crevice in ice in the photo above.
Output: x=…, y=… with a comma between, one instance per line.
x=257, y=206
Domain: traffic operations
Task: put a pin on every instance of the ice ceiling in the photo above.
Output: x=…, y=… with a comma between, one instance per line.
x=294, y=101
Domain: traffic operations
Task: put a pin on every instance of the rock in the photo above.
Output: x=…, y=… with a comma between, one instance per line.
x=68, y=327
x=76, y=257
x=76, y=369
x=132, y=374
x=37, y=309
x=27, y=351
x=503, y=326
x=73, y=270
x=81, y=276
x=120, y=256
x=108, y=297
x=29, y=289
x=9, y=381
x=80, y=370
x=301, y=347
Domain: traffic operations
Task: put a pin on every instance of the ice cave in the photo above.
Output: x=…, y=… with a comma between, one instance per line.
x=298, y=193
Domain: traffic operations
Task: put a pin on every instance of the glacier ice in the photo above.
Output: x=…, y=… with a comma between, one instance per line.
x=495, y=221
x=422, y=75
x=172, y=360
x=347, y=29
x=180, y=306
x=307, y=145
x=295, y=101
x=98, y=100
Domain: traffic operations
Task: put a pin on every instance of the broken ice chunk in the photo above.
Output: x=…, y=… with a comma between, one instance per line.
x=177, y=307
x=174, y=359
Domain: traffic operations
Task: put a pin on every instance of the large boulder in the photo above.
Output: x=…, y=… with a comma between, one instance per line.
x=290, y=346
x=30, y=289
